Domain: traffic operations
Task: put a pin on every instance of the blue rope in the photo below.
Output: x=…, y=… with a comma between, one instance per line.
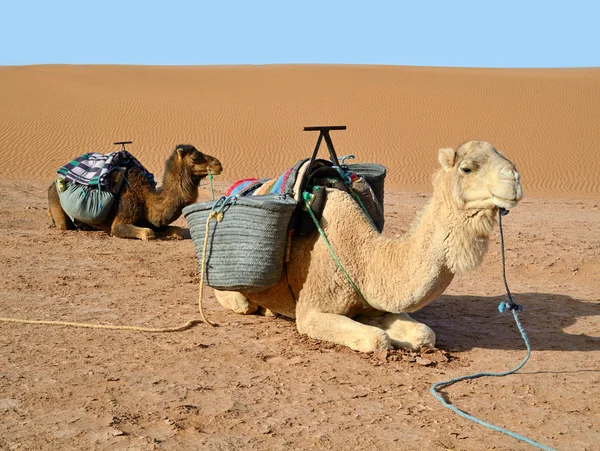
x=221, y=204
x=346, y=157
x=502, y=308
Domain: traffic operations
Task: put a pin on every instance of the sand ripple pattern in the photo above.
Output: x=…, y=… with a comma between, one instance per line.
x=251, y=117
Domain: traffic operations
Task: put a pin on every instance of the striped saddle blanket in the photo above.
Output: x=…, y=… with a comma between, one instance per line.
x=295, y=180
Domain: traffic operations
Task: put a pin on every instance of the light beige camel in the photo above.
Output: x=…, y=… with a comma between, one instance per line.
x=396, y=276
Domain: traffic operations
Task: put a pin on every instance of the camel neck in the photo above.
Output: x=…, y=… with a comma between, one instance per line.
x=403, y=274
x=168, y=201
x=419, y=266
x=410, y=271
x=182, y=186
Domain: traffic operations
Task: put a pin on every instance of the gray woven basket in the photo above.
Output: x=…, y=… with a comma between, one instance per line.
x=246, y=250
x=374, y=174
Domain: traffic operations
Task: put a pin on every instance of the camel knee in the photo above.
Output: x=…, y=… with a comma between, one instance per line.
x=375, y=340
x=418, y=336
x=174, y=232
x=265, y=312
x=235, y=302
x=342, y=330
x=130, y=231
x=404, y=332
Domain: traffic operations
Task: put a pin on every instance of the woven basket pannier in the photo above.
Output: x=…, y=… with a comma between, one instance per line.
x=246, y=249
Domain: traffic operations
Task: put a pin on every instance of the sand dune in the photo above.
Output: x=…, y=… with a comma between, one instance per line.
x=251, y=117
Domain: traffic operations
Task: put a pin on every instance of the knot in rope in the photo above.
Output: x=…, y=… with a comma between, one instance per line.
x=344, y=176
x=504, y=306
x=216, y=215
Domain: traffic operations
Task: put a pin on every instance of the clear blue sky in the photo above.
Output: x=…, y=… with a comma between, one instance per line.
x=484, y=33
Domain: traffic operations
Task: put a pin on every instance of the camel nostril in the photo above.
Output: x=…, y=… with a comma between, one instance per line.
x=519, y=195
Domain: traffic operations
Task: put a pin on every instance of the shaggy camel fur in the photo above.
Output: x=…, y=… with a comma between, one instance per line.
x=141, y=211
x=396, y=276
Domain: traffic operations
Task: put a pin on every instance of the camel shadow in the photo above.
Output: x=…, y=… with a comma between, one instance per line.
x=464, y=322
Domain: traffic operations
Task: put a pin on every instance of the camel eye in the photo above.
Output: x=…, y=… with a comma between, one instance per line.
x=198, y=158
x=466, y=170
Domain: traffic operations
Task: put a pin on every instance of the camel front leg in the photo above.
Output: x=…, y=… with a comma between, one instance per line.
x=122, y=230
x=404, y=332
x=238, y=303
x=173, y=232
x=235, y=302
x=342, y=330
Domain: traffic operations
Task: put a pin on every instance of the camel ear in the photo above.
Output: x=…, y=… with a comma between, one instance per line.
x=180, y=152
x=446, y=158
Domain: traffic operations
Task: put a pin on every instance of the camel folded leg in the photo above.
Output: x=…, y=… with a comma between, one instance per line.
x=404, y=332
x=58, y=216
x=173, y=232
x=236, y=302
x=130, y=231
x=342, y=330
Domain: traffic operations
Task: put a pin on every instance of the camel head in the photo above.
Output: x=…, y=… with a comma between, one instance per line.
x=478, y=177
x=196, y=163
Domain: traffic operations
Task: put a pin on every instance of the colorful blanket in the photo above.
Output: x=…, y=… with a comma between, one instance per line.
x=95, y=169
x=291, y=182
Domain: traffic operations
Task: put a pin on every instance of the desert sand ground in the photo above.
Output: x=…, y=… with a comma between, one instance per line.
x=254, y=382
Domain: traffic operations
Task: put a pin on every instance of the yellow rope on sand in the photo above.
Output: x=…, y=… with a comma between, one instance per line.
x=185, y=326
x=217, y=217
x=213, y=215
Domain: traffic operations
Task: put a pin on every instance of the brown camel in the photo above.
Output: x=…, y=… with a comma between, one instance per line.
x=141, y=211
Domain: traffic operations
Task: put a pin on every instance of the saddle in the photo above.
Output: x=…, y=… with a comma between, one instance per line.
x=313, y=176
x=242, y=239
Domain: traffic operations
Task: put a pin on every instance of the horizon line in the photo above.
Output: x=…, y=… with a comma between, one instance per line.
x=305, y=64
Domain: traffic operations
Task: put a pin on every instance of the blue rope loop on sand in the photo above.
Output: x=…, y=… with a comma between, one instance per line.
x=514, y=308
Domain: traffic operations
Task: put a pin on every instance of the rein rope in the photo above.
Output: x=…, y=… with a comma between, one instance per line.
x=210, y=179
x=502, y=307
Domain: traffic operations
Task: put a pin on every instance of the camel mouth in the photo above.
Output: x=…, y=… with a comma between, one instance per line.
x=503, y=202
x=211, y=172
